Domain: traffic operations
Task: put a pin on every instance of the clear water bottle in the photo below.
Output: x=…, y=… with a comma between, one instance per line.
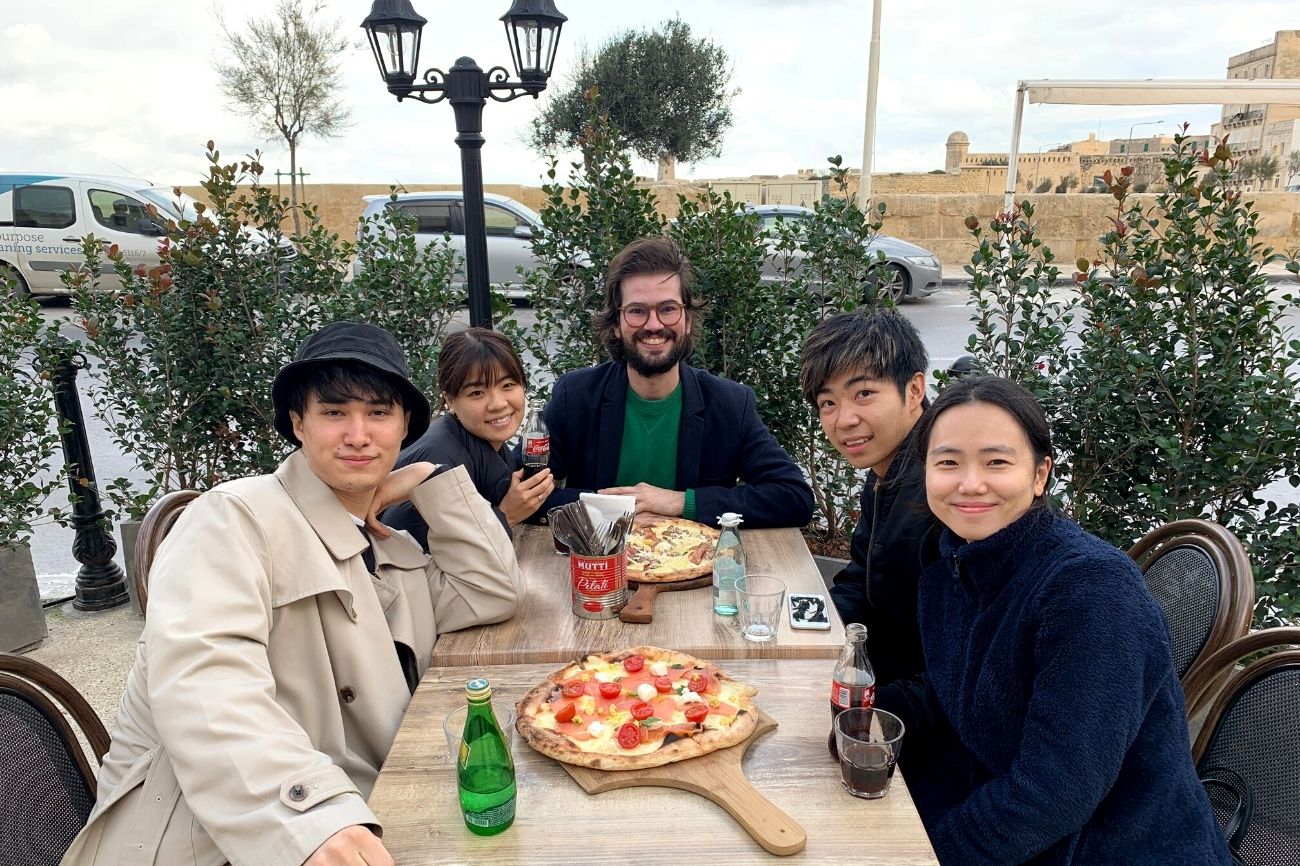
x=485, y=771
x=854, y=682
x=728, y=565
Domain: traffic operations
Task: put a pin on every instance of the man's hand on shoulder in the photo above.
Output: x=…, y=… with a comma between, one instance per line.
x=351, y=845
x=394, y=489
x=648, y=498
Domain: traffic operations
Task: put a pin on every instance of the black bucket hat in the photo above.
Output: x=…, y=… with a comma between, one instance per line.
x=358, y=343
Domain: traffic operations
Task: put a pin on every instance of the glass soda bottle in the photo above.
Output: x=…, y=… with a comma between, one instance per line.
x=485, y=772
x=537, y=441
x=854, y=681
x=728, y=564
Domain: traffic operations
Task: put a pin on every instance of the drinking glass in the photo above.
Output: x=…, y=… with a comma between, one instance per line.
x=454, y=725
x=869, y=741
x=760, y=600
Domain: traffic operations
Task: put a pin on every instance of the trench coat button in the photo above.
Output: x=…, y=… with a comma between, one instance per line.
x=297, y=793
x=348, y=694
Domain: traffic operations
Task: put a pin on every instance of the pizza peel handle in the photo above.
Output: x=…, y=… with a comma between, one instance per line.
x=719, y=777
x=640, y=607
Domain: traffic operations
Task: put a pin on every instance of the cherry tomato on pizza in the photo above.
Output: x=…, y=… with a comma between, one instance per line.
x=632, y=664
x=566, y=713
x=642, y=711
x=698, y=682
x=663, y=685
x=610, y=690
x=629, y=736
x=695, y=711
x=574, y=689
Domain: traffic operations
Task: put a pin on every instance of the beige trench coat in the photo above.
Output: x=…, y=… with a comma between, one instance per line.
x=267, y=690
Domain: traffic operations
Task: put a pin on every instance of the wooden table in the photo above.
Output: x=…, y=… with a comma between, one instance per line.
x=546, y=630
x=557, y=822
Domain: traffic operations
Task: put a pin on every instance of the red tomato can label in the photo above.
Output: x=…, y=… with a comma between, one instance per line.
x=599, y=584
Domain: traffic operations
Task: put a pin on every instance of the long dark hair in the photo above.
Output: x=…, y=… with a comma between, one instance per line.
x=1012, y=397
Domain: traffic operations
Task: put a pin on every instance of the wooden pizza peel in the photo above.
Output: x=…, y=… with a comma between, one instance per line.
x=718, y=777
x=640, y=607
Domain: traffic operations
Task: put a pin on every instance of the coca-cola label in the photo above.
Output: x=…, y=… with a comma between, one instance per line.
x=537, y=446
x=598, y=575
x=847, y=696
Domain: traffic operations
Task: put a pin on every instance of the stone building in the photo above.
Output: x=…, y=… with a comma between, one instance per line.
x=1262, y=129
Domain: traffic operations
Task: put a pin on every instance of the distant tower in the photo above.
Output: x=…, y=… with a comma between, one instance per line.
x=958, y=145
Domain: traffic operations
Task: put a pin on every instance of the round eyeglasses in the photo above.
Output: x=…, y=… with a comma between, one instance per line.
x=668, y=313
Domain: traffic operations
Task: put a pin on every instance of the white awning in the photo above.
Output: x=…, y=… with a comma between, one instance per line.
x=1154, y=91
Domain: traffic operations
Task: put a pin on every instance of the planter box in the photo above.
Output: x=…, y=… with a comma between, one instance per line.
x=22, y=619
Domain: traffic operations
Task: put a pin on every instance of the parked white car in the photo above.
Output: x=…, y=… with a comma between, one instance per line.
x=510, y=226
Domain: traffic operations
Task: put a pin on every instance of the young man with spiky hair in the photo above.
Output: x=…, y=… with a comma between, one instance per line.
x=682, y=441
x=287, y=629
x=864, y=375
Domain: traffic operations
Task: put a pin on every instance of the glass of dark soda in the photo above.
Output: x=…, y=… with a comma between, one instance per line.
x=868, y=741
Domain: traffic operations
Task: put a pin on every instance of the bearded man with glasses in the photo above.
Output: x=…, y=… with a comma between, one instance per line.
x=684, y=442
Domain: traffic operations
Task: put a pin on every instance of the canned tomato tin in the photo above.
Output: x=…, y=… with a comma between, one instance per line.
x=599, y=584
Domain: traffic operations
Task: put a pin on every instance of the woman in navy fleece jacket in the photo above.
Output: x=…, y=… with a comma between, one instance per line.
x=1048, y=665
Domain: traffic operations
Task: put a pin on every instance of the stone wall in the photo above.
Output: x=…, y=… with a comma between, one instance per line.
x=1069, y=223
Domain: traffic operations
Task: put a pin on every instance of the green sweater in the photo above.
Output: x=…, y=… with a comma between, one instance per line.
x=649, y=450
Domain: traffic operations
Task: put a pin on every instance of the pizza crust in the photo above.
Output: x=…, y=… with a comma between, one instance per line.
x=699, y=535
x=674, y=747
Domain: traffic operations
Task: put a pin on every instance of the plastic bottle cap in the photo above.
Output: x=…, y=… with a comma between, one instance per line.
x=730, y=517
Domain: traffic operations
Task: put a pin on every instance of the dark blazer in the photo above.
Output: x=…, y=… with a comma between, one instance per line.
x=448, y=442
x=724, y=451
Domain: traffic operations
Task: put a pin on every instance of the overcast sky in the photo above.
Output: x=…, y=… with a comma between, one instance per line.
x=92, y=86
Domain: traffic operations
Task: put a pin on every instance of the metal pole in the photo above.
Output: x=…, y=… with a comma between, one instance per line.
x=100, y=582
x=466, y=91
x=869, y=135
x=1013, y=156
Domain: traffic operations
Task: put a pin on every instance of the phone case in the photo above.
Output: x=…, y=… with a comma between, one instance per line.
x=807, y=610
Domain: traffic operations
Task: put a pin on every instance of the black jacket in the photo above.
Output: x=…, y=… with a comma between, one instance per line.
x=896, y=535
x=447, y=442
x=725, y=452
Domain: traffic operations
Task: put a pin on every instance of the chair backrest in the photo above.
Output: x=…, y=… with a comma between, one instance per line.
x=1200, y=576
x=47, y=782
x=1252, y=728
x=157, y=523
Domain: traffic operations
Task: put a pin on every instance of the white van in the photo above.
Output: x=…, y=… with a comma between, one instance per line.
x=44, y=216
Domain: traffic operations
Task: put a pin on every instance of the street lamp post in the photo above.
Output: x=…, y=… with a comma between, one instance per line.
x=1129, y=147
x=1039, y=161
x=533, y=30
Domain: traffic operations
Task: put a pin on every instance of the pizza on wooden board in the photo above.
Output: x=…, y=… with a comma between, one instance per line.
x=636, y=708
x=669, y=549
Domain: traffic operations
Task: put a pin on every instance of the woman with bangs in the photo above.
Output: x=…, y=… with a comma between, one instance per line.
x=483, y=388
x=1049, y=704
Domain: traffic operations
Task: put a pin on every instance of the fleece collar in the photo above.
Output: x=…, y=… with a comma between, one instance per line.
x=988, y=564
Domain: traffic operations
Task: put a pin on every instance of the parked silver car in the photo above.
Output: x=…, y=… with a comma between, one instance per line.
x=510, y=230
x=908, y=271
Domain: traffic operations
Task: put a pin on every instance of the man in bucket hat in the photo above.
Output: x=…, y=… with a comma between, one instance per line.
x=287, y=629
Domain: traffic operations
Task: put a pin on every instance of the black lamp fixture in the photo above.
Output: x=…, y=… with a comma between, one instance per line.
x=533, y=32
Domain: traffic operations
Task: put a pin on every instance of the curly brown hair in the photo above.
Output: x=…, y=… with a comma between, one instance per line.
x=653, y=255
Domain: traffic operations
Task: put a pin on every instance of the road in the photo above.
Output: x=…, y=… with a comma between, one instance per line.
x=943, y=321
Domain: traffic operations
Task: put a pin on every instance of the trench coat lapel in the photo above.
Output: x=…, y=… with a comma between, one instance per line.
x=331, y=523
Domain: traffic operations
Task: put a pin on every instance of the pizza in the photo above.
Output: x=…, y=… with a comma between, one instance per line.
x=670, y=548
x=636, y=708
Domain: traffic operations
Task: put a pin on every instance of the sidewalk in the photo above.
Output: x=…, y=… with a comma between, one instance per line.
x=93, y=651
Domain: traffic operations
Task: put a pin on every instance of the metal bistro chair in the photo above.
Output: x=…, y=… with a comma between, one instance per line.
x=1200, y=576
x=157, y=523
x=48, y=783
x=1249, y=746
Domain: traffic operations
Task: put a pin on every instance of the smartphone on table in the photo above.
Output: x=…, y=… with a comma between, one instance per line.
x=808, y=610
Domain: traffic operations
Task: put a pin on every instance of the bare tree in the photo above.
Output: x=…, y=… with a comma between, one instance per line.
x=284, y=74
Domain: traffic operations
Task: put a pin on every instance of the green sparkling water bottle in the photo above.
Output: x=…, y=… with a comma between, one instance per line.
x=485, y=772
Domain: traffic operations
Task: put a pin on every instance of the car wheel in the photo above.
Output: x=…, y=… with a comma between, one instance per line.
x=889, y=281
x=19, y=288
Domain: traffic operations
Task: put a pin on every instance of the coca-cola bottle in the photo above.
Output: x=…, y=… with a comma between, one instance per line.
x=854, y=681
x=537, y=441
